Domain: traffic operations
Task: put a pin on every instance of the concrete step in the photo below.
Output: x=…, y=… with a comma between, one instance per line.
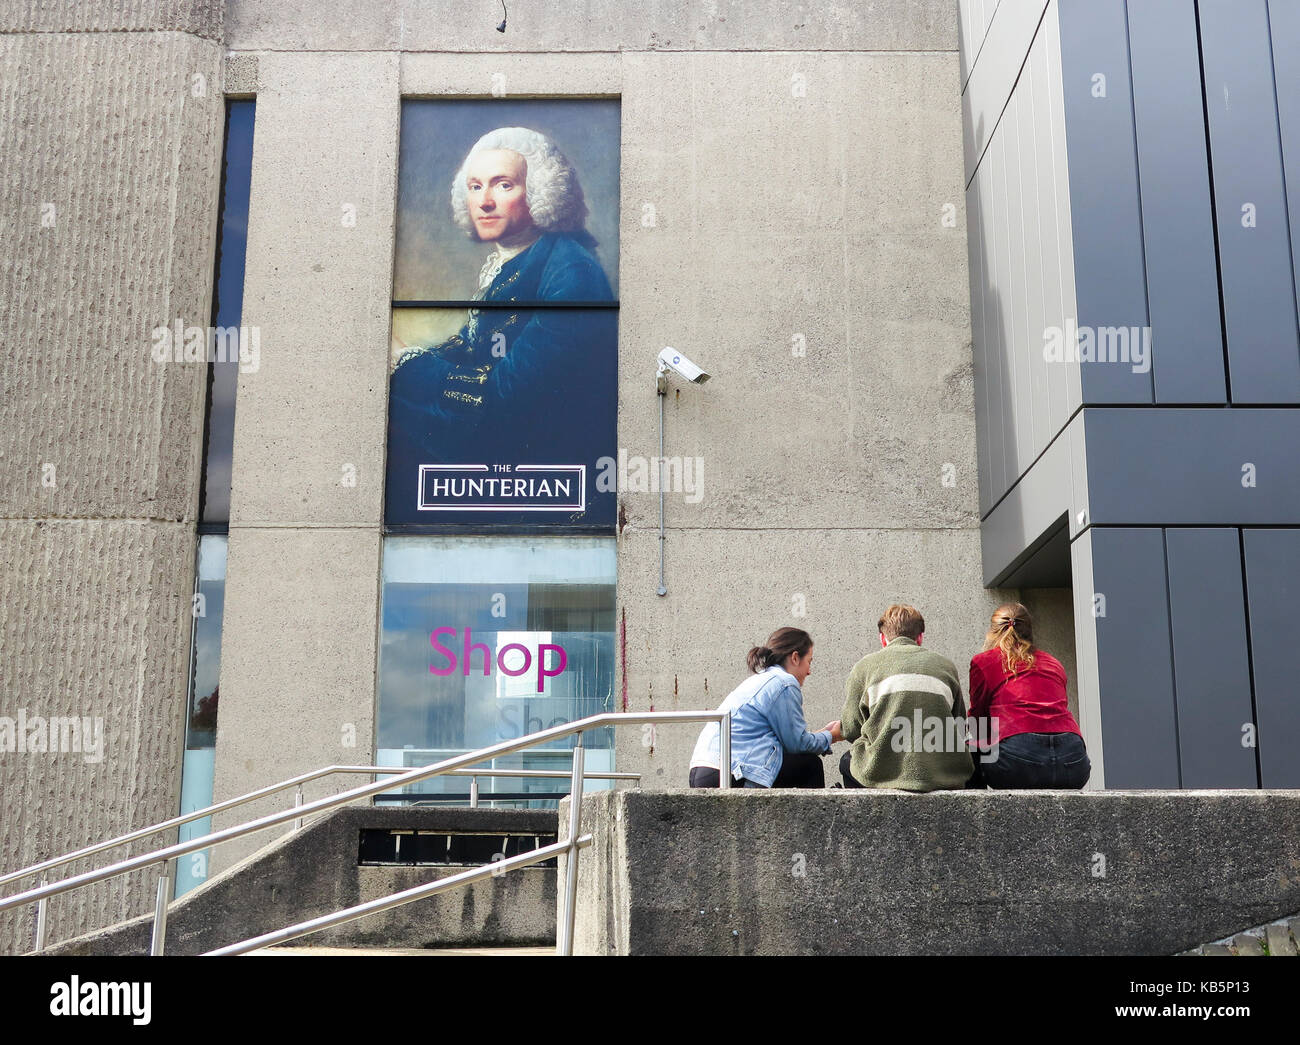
x=407, y=952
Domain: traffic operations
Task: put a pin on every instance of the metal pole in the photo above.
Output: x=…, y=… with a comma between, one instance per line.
x=41, y=911
x=297, y=801
x=473, y=792
x=160, y=915
x=724, y=751
x=571, y=862
x=663, y=590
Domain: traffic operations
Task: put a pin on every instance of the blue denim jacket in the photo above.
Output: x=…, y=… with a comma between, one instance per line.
x=766, y=721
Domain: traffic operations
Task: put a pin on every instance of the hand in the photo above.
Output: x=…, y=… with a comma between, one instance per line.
x=833, y=728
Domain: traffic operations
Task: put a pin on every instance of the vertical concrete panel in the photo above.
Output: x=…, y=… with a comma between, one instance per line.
x=96, y=627
x=1284, y=31
x=1108, y=268
x=302, y=581
x=1135, y=679
x=1259, y=299
x=1177, y=226
x=1211, y=668
x=1272, y=578
x=112, y=148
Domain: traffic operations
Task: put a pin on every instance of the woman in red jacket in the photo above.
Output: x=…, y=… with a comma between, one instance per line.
x=1021, y=691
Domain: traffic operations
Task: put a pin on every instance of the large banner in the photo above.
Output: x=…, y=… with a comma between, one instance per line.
x=503, y=387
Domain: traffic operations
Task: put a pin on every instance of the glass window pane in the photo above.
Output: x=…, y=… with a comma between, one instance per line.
x=485, y=639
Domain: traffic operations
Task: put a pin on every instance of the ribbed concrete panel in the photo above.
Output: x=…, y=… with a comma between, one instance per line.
x=95, y=624
x=1208, y=624
x=600, y=25
x=109, y=202
x=203, y=18
x=1109, y=277
x=1177, y=224
x=1255, y=260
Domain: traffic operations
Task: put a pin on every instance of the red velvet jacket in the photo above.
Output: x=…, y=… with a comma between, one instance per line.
x=1026, y=701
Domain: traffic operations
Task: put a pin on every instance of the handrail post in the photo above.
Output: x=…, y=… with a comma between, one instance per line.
x=571, y=860
x=159, y=940
x=297, y=801
x=724, y=751
x=473, y=792
x=41, y=912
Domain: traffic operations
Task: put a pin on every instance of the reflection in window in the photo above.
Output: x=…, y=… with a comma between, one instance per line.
x=201, y=719
x=486, y=639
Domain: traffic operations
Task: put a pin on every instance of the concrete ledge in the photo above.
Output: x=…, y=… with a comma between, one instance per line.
x=887, y=872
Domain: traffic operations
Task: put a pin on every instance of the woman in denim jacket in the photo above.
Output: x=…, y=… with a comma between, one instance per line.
x=770, y=743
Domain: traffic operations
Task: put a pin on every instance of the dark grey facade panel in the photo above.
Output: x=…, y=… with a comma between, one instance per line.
x=1177, y=225
x=1211, y=664
x=1272, y=581
x=1254, y=236
x=1284, y=29
x=1193, y=466
x=1109, y=274
x=1134, y=665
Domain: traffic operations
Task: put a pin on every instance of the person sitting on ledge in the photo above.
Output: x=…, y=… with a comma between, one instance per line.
x=903, y=711
x=770, y=743
x=1020, y=692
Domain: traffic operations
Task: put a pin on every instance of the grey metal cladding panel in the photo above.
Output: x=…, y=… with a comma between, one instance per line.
x=1030, y=508
x=1038, y=400
x=1186, y=465
x=1001, y=56
x=1177, y=225
x=1284, y=28
x=1255, y=262
x=978, y=260
x=1110, y=283
x=1272, y=579
x=1018, y=305
x=1134, y=666
x=1211, y=666
x=999, y=407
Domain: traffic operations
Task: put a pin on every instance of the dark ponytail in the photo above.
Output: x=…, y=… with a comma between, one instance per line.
x=780, y=644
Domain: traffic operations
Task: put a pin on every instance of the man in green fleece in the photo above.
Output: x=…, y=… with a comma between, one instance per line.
x=904, y=713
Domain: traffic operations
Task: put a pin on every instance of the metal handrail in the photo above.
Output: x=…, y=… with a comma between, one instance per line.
x=270, y=789
x=572, y=844
x=413, y=776
x=406, y=896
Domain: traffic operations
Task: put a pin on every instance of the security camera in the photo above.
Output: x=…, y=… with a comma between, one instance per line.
x=671, y=359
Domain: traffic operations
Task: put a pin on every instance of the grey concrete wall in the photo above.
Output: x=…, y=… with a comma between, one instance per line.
x=807, y=247
x=302, y=582
x=969, y=873
x=110, y=124
x=305, y=874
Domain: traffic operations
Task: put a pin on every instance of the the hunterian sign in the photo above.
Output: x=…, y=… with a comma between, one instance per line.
x=493, y=488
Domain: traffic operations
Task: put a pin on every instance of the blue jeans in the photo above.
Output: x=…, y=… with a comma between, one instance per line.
x=1038, y=760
